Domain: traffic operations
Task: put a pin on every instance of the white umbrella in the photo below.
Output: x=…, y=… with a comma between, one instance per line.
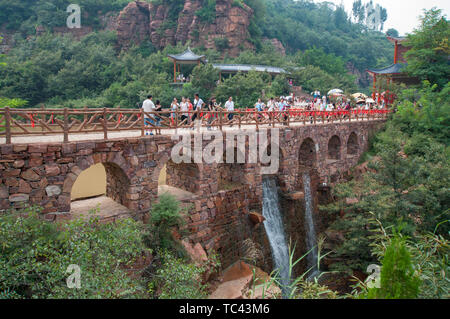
x=360, y=96
x=335, y=92
x=370, y=100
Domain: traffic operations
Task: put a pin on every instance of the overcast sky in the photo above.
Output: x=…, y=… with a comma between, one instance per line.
x=403, y=15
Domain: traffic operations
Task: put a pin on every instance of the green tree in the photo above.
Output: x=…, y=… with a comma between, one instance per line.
x=244, y=88
x=204, y=79
x=2, y=56
x=164, y=215
x=398, y=278
x=392, y=33
x=177, y=279
x=429, y=49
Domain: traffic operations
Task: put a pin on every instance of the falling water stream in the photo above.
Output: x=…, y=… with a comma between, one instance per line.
x=311, y=238
x=275, y=230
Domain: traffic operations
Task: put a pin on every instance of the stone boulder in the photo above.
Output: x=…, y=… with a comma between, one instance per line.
x=243, y=281
x=256, y=218
x=195, y=252
x=295, y=196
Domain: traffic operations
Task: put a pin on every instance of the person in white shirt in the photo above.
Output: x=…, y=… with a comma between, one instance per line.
x=184, y=107
x=229, y=106
x=271, y=105
x=198, y=105
x=323, y=107
x=149, y=119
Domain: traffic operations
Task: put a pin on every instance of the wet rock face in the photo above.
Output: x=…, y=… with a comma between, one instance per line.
x=140, y=21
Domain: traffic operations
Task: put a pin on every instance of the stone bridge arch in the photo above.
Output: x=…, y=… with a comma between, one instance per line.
x=353, y=147
x=118, y=181
x=334, y=148
x=187, y=177
x=307, y=154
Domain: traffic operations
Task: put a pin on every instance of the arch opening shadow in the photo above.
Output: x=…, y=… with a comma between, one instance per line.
x=180, y=180
x=231, y=175
x=352, y=145
x=103, y=188
x=334, y=148
x=307, y=157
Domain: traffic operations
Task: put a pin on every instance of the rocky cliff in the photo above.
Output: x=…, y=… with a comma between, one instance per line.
x=141, y=21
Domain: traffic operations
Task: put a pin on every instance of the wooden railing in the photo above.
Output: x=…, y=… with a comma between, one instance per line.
x=64, y=122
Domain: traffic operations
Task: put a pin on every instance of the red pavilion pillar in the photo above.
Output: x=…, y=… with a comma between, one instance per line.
x=396, y=53
x=174, y=72
x=374, y=86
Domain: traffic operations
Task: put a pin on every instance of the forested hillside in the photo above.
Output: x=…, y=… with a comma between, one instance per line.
x=95, y=72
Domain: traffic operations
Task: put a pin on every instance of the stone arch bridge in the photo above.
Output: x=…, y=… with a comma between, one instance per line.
x=224, y=194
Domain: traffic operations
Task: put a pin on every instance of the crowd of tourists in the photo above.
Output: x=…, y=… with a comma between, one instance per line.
x=187, y=111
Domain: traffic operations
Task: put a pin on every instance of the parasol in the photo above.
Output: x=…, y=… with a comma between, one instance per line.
x=360, y=96
x=336, y=92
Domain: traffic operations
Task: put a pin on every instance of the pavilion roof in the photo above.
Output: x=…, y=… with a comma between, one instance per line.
x=392, y=69
x=397, y=39
x=186, y=56
x=234, y=68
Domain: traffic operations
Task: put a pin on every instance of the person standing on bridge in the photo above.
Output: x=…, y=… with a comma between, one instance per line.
x=198, y=105
x=149, y=119
x=259, y=106
x=229, y=106
x=184, y=107
x=174, y=108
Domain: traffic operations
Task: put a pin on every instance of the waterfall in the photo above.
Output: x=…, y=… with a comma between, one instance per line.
x=311, y=238
x=274, y=228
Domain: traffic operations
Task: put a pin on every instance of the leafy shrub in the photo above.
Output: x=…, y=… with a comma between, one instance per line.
x=398, y=279
x=35, y=254
x=165, y=215
x=208, y=11
x=177, y=279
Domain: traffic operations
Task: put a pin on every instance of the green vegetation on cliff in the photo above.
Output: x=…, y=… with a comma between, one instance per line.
x=405, y=190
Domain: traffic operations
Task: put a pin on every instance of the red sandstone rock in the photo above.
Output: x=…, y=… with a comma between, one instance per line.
x=52, y=170
x=296, y=196
x=19, y=164
x=256, y=218
x=236, y=271
x=141, y=21
x=19, y=198
x=20, y=148
x=196, y=252
x=11, y=173
x=37, y=148
x=278, y=46
x=232, y=289
x=238, y=283
x=35, y=161
x=3, y=192
x=31, y=175
x=24, y=187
